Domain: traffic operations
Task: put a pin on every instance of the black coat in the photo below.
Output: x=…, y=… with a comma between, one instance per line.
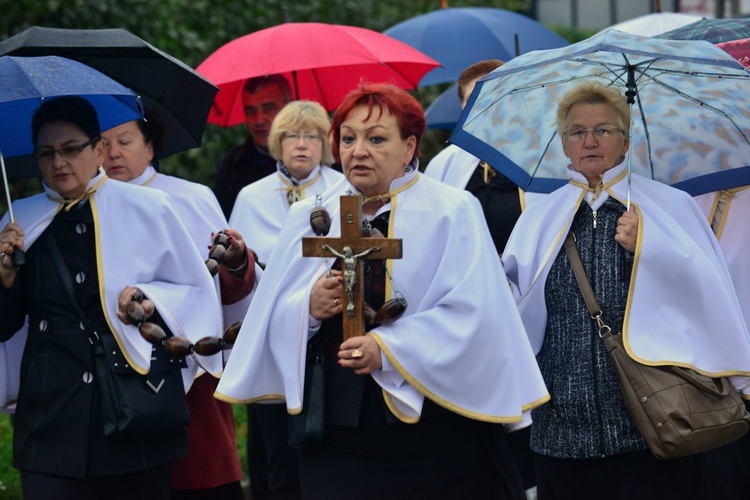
x=58, y=426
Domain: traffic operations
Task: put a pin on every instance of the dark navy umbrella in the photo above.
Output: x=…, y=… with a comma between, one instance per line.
x=444, y=111
x=26, y=82
x=459, y=37
x=178, y=94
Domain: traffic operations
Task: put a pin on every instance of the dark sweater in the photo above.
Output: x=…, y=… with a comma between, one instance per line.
x=586, y=417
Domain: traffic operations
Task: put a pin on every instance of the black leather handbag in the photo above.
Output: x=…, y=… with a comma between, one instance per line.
x=131, y=403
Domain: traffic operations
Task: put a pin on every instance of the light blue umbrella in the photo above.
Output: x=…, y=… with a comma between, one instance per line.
x=689, y=122
x=26, y=82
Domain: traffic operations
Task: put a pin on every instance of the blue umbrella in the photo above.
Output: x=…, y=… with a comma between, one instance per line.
x=444, y=111
x=459, y=37
x=25, y=82
x=689, y=124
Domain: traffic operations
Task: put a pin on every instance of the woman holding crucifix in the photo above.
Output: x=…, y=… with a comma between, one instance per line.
x=412, y=408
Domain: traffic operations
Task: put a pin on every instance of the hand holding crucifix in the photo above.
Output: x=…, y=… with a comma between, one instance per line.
x=352, y=241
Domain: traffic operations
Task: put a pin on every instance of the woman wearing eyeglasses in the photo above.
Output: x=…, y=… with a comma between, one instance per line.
x=212, y=470
x=658, y=275
x=112, y=238
x=298, y=140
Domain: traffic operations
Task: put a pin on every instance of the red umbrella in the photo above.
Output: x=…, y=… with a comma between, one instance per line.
x=739, y=49
x=322, y=62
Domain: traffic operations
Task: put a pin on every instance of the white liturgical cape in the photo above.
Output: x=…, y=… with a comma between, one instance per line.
x=460, y=341
x=733, y=233
x=681, y=309
x=201, y=215
x=261, y=207
x=454, y=166
x=168, y=269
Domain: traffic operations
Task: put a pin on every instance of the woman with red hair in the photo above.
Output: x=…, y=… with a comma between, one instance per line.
x=411, y=408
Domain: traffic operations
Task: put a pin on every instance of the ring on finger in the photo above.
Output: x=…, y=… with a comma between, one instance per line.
x=356, y=353
x=336, y=302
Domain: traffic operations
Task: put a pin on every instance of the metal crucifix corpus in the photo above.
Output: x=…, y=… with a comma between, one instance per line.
x=351, y=247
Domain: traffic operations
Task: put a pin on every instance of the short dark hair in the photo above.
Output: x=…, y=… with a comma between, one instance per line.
x=475, y=71
x=72, y=109
x=153, y=129
x=252, y=85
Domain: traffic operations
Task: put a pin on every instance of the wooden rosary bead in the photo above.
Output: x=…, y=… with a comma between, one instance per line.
x=230, y=334
x=210, y=345
x=179, y=346
x=221, y=239
x=217, y=253
x=138, y=296
x=371, y=316
x=391, y=311
x=153, y=333
x=213, y=267
x=320, y=221
x=134, y=313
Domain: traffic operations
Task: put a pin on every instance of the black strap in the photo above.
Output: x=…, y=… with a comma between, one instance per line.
x=62, y=269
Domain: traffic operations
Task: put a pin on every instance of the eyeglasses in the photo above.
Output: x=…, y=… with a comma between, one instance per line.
x=66, y=152
x=601, y=133
x=293, y=137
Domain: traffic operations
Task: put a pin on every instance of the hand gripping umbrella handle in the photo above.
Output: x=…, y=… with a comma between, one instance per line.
x=17, y=257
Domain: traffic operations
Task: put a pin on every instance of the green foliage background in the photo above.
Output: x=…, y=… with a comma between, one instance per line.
x=191, y=30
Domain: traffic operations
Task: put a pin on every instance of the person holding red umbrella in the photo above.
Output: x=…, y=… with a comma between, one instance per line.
x=262, y=99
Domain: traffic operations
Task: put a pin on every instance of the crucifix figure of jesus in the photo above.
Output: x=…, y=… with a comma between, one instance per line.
x=353, y=247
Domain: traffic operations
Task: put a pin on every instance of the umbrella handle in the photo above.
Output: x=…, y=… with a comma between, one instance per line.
x=18, y=257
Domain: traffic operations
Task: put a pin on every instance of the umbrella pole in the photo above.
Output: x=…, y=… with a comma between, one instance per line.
x=17, y=257
x=630, y=93
x=7, y=189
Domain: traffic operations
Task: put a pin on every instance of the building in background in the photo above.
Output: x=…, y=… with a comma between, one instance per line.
x=598, y=14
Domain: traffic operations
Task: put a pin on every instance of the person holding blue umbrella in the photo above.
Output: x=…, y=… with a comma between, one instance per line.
x=661, y=280
x=112, y=240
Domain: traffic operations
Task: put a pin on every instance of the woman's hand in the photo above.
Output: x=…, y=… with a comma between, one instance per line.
x=234, y=255
x=325, y=298
x=11, y=237
x=627, y=230
x=361, y=354
x=126, y=296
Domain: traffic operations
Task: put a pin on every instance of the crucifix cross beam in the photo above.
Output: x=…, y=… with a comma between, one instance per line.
x=351, y=248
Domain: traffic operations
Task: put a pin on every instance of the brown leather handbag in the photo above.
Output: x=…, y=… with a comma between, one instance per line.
x=678, y=411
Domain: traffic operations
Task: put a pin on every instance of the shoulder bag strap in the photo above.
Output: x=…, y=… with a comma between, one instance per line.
x=583, y=282
x=62, y=269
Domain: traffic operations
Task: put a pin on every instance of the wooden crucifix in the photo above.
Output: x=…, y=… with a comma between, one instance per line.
x=351, y=247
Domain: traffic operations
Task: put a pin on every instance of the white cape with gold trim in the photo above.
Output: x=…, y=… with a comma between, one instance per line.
x=734, y=240
x=460, y=342
x=167, y=269
x=682, y=307
x=261, y=207
x=201, y=215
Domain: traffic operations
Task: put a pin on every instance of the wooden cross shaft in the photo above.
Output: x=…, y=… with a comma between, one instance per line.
x=351, y=248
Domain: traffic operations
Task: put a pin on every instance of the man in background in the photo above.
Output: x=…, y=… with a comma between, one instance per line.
x=262, y=98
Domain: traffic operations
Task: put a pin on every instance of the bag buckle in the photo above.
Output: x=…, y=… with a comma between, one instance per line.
x=603, y=329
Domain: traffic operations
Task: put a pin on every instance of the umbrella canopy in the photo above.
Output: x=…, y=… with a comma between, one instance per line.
x=739, y=49
x=323, y=62
x=655, y=23
x=689, y=121
x=25, y=82
x=444, y=111
x=711, y=30
x=180, y=96
x=459, y=37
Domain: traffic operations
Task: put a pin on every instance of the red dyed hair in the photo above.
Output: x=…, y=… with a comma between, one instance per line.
x=407, y=111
